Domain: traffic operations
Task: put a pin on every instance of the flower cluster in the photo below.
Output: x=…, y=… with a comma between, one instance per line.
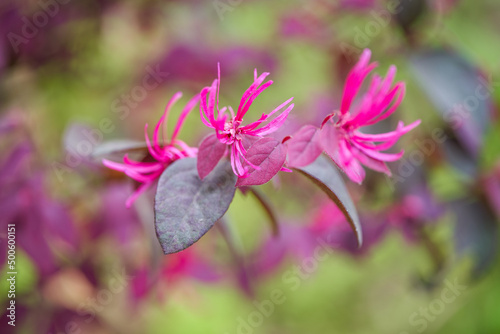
x=229, y=131
x=339, y=135
x=353, y=147
x=255, y=157
x=161, y=155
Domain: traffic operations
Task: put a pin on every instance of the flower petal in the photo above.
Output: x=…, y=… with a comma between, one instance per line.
x=210, y=152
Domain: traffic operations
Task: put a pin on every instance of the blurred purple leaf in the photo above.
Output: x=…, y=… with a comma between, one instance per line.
x=491, y=186
x=458, y=158
x=330, y=226
x=476, y=233
x=195, y=62
x=119, y=146
x=407, y=13
x=187, y=207
x=459, y=91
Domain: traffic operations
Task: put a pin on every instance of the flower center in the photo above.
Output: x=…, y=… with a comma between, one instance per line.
x=232, y=131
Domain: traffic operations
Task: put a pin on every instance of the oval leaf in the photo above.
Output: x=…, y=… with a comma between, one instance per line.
x=119, y=146
x=304, y=147
x=187, y=207
x=459, y=91
x=475, y=234
x=210, y=152
x=325, y=176
x=268, y=154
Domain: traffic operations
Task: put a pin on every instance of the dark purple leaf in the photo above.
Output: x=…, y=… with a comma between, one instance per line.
x=325, y=175
x=187, y=207
x=459, y=91
x=408, y=12
x=459, y=158
x=304, y=146
x=475, y=233
x=268, y=154
x=210, y=152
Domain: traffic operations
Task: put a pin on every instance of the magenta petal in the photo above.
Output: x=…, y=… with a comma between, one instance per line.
x=400, y=130
x=209, y=154
x=304, y=147
x=274, y=125
x=131, y=199
x=329, y=139
x=384, y=156
x=371, y=163
x=346, y=161
x=268, y=154
x=185, y=112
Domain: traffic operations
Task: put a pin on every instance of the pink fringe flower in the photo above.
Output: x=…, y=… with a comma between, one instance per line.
x=230, y=132
x=340, y=137
x=147, y=172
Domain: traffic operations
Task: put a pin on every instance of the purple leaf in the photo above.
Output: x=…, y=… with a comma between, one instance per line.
x=325, y=176
x=304, y=146
x=475, y=234
x=459, y=91
x=408, y=12
x=210, y=152
x=119, y=146
x=268, y=154
x=187, y=207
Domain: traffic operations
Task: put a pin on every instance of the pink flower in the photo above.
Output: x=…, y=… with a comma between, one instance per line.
x=231, y=134
x=146, y=172
x=341, y=137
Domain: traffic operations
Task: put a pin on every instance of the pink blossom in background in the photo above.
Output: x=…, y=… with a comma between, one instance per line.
x=161, y=154
x=417, y=208
x=231, y=134
x=341, y=137
x=330, y=226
